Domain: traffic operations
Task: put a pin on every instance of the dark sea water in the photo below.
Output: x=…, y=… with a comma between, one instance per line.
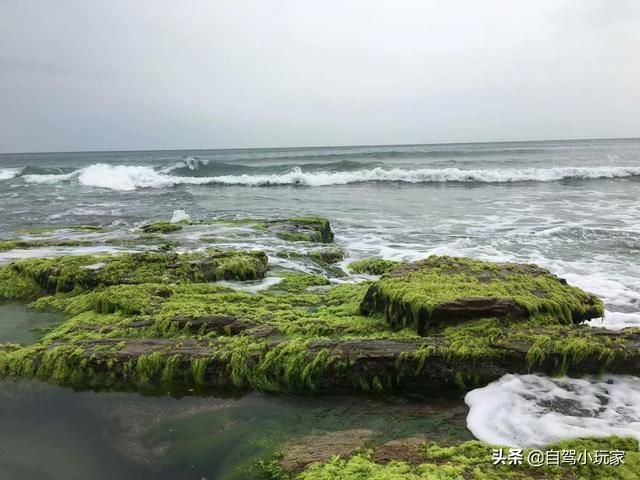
x=570, y=206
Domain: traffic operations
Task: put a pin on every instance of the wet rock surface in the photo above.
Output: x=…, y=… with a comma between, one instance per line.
x=305, y=229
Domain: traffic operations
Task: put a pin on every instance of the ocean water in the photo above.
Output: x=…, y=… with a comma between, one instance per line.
x=570, y=206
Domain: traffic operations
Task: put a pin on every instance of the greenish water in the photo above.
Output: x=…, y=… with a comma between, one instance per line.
x=19, y=324
x=49, y=432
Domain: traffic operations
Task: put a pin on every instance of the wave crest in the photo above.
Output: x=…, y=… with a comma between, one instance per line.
x=132, y=177
x=9, y=173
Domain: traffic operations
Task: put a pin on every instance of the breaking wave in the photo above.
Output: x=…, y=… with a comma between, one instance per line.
x=132, y=177
x=9, y=173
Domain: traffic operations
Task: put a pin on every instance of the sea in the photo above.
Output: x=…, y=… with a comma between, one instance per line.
x=571, y=206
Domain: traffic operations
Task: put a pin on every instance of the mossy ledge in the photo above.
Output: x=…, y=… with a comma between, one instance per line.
x=154, y=321
x=31, y=278
x=439, y=291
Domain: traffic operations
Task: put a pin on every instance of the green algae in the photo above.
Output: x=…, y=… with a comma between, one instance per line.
x=567, y=349
x=15, y=244
x=327, y=255
x=121, y=307
x=296, y=316
x=473, y=461
x=33, y=277
x=162, y=227
x=419, y=294
x=373, y=266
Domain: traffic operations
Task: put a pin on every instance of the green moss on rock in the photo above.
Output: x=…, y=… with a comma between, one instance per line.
x=301, y=334
x=373, y=266
x=40, y=276
x=327, y=255
x=302, y=229
x=26, y=244
x=439, y=291
x=161, y=227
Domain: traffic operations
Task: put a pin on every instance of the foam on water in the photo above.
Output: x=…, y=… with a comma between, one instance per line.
x=179, y=216
x=252, y=286
x=49, y=178
x=531, y=410
x=131, y=177
x=9, y=173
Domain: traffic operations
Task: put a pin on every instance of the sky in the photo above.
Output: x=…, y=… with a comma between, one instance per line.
x=162, y=74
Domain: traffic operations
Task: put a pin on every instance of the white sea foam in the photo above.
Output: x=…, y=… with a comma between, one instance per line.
x=122, y=177
x=252, y=287
x=9, y=173
x=532, y=410
x=179, y=216
x=131, y=177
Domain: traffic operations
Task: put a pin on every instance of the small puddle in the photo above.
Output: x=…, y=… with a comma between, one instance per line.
x=20, y=324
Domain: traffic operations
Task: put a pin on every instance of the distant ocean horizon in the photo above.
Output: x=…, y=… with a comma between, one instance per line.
x=317, y=146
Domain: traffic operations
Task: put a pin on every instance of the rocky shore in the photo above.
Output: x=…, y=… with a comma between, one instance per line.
x=183, y=322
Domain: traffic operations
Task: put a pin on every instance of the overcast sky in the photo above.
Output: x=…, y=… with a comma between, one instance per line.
x=156, y=74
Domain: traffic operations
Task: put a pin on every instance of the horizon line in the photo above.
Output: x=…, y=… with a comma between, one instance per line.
x=300, y=147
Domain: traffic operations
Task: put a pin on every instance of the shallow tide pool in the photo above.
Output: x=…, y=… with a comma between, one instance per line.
x=50, y=432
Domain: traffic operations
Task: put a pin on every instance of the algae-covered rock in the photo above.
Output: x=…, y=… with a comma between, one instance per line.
x=33, y=277
x=161, y=227
x=439, y=291
x=13, y=244
x=153, y=320
x=327, y=255
x=373, y=266
x=302, y=229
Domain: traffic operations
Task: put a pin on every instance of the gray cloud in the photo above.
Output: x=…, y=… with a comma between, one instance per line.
x=127, y=74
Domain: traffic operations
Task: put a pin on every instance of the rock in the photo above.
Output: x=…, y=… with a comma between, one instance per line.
x=327, y=255
x=321, y=447
x=302, y=229
x=408, y=450
x=439, y=291
x=161, y=227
